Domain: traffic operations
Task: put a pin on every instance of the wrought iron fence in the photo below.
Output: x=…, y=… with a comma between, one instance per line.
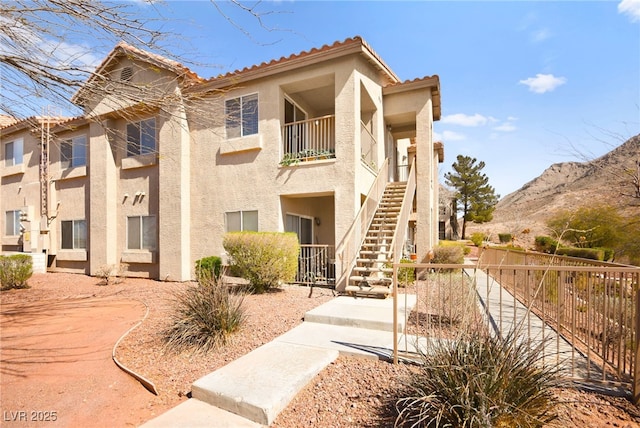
x=316, y=265
x=586, y=316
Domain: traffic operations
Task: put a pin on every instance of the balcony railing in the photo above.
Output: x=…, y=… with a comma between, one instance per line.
x=308, y=140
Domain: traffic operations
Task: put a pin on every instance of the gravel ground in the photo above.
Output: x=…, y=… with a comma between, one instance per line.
x=350, y=392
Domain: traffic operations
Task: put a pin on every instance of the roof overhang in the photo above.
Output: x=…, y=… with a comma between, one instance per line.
x=429, y=82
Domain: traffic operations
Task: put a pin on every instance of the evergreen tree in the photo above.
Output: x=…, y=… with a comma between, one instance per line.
x=475, y=197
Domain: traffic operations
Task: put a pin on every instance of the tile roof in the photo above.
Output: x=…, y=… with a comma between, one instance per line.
x=352, y=42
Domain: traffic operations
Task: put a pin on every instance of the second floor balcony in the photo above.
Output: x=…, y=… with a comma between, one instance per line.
x=309, y=140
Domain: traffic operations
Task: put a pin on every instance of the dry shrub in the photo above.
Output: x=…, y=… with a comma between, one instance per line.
x=480, y=380
x=204, y=317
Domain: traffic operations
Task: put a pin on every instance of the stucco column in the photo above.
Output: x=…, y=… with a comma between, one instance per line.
x=103, y=184
x=174, y=198
x=426, y=206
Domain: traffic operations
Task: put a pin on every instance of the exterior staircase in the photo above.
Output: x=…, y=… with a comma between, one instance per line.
x=371, y=277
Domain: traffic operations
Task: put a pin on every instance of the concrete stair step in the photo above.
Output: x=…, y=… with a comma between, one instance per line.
x=360, y=279
x=259, y=385
x=374, y=291
x=372, y=314
x=198, y=414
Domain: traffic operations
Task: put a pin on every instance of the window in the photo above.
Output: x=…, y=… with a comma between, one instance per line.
x=74, y=235
x=12, y=223
x=13, y=153
x=141, y=233
x=73, y=152
x=141, y=137
x=238, y=221
x=242, y=116
x=303, y=226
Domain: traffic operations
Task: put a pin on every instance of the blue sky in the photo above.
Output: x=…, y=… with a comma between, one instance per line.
x=523, y=84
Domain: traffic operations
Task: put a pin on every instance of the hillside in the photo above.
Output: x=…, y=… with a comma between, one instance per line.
x=569, y=185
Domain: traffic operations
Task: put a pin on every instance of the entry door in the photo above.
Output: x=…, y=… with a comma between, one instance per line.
x=302, y=226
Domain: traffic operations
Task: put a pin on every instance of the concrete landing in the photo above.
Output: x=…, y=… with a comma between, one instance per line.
x=362, y=312
x=261, y=384
x=198, y=414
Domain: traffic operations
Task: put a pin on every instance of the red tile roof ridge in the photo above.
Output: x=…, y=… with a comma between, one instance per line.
x=302, y=54
x=170, y=63
x=416, y=80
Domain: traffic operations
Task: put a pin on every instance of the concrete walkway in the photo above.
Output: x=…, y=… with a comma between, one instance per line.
x=507, y=314
x=252, y=390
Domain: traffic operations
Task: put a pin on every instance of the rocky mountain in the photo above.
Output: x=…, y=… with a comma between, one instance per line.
x=607, y=179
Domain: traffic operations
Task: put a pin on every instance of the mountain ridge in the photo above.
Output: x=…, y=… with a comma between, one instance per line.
x=568, y=185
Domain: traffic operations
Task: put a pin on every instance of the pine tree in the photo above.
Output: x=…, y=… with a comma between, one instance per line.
x=475, y=197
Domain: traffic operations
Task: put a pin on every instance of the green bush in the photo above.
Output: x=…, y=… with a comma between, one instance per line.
x=478, y=238
x=505, y=238
x=462, y=244
x=15, y=270
x=481, y=381
x=209, y=267
x=583, y=253
x=448, y=255
x=265, y=259
x=204, y=316
x=546, y=244
x=608, y=253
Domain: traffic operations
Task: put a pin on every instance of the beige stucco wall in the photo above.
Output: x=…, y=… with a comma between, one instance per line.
x=21, y=188
x=251, y=178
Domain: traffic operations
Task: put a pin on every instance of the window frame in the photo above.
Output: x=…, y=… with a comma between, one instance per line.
x=142, y=245
x=240, y=121
x=242, y=221
x=138, y=147
x=15, y=221
x=14, y=160
x=76, y=159
x=78, y=236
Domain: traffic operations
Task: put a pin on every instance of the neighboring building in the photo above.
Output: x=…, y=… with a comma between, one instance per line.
x=156, y=180
x=448, y=229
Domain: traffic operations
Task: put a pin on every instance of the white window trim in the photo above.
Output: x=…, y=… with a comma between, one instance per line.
x=155, y=136
x=16, y=224
x=18, y=142
x=73, y=235
x=242, y=229
x=241, y=97
x=141, y=249
x=73, y=141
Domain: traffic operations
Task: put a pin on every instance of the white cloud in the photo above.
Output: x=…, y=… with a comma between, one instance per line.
x=505, y=127
x=452, y=136
x=631, y=8
x=540, y=35
x=543, y=83
x=462, y=119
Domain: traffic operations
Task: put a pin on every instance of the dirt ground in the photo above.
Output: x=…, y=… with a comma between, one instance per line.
x=57, y=366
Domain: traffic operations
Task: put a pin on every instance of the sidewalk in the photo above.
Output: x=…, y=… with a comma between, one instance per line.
x=252, y=390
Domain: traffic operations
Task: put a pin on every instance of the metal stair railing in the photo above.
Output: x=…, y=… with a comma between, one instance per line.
x=403, y=217
x=348, y=249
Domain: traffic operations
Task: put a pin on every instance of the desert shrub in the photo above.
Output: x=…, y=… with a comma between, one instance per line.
x=545, y=244
x=112, y=274
x=15, y=270
x=481, y=380
x=209, y=267
x=406, y=275
x=462, y=244
x=448, y=255
x=583, y=253
x=266, y=259
x=505, y=238
x=204, y=316
x=478, y=238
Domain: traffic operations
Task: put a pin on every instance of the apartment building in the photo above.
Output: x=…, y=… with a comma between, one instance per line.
x=164, y=162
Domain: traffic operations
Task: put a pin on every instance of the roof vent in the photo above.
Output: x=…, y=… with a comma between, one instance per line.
x=126, y=73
